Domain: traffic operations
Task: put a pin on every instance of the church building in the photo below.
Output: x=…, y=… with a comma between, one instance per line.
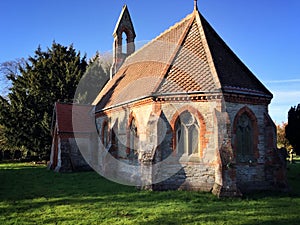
x=184, y=112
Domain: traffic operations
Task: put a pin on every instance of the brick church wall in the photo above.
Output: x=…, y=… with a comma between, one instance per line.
x=252, y=175
x=155, y=123
x=192, y=173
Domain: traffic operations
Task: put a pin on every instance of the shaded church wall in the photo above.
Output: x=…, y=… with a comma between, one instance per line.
x=53, y=153
x=184, y=172
x=196, y=173
x=119, y=122
x=155, y=127
x=121, y=119
x=251, y=175
x=69, y=157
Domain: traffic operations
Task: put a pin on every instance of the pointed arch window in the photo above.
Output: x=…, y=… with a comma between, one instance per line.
x=244, y=138
x=114, y=144
x=187, y=134
x=105, y=137
x=114, y=139
x=133, y=140
x=124, y=42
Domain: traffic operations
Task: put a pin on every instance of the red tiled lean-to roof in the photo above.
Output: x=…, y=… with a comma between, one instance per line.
x=73, y=118
x=188, y=57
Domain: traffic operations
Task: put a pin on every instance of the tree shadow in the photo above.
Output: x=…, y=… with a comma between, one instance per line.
x=33, y=188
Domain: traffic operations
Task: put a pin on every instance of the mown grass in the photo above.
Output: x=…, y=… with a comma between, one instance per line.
x=30, y=194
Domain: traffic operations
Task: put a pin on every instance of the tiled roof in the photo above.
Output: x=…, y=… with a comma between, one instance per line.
x=232, y=72
x=73, y=118
x=190, y=70
x=188, y=57
x=142, y=72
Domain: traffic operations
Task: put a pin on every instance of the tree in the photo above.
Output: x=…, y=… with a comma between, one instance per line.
x=292, y=130
x=3, y=139
x=282, y=141
x=49, y=76
x=94, y=79
x=9, y=69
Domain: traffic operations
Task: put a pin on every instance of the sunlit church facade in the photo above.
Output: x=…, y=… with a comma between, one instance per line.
x=186, y=108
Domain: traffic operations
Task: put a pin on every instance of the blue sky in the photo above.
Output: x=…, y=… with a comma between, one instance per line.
x=265, y=34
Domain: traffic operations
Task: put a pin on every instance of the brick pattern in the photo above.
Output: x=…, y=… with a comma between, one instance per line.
x=190, y=70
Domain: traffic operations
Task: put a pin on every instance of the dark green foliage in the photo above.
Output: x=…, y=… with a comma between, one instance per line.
x=48, y=76
x=3, y=139
x=94, y=79
x=292, y=130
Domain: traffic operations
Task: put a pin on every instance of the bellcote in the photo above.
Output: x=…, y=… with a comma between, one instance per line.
x=120, y=52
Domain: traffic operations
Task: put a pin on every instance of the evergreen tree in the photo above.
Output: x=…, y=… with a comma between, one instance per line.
x=94, y=79
x=49, y=76
x=292, y=130
x=3, y=139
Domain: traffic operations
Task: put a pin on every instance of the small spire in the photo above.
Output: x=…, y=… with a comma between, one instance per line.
x=195, y=5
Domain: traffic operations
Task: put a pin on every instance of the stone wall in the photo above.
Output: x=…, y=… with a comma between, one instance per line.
x=258, y=174
x=215, y=167
x=198, y=177
x=70, y=158
x=155, y=124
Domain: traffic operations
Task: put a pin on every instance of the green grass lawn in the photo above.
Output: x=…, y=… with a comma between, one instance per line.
x=30, y=194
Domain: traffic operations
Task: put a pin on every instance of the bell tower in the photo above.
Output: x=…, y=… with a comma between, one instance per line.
x=122, y=48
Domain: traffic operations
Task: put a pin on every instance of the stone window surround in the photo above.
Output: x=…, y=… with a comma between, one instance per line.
x=253, y=119
x=202, y=130
x=186, y=129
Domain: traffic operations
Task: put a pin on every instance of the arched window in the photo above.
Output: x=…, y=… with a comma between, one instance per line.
x=179, y=137
x=114, y=143
x=124, y=43
x=105, y=138
x=114, y=140
x=244, y=138
x=133, y=140
x=187, y=134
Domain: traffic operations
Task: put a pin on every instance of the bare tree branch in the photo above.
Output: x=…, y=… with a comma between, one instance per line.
x=8, y=71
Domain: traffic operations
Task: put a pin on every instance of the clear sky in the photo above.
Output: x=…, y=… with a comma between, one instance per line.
x=265, y=34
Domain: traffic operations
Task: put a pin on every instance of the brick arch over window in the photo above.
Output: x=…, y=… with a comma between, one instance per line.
x=201, y=127
x=245, y=136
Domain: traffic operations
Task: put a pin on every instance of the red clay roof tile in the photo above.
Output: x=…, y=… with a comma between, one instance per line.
x=188, y=57
x=73, y=118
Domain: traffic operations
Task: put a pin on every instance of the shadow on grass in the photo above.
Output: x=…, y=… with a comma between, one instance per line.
x=167, y=208
x=88, y=198
x=26, y=182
